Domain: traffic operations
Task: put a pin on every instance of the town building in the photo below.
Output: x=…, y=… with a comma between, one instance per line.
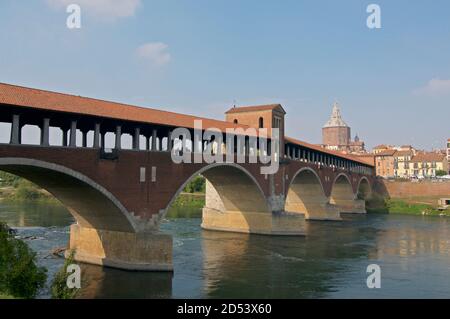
x=427, y=164
x=381, y=148
x=336, y=135
x=384, y=163
x=402, y=159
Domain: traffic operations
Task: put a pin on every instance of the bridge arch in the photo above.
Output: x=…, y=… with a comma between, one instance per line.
x=306, y=195
x=364, y=190
x=234, y=200
x=342, y=194
x=91, y=204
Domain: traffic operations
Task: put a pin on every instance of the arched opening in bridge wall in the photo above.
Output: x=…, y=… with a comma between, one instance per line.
x=55, y=136
x=364, y=189
x=233, y=200
x=91, y=205
x=105, y=232
x=31, y=135
x=343, y=198
x=110, y=140
x=306, y=196
x=342, y=190
x=5, y=132
x=89, y=138
x=143, y=142
x=126, y=141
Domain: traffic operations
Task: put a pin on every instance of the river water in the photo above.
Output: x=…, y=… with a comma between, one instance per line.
x=330, y=262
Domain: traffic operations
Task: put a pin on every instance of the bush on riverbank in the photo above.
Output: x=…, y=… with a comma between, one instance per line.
x=15, y=188
x=20, y=276
x=59, y=285
x=192, y=201
x=25, y=190
x=8, y=179
x=402, y=206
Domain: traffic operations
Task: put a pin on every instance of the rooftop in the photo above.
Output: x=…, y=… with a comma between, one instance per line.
x=255, y=108
x=53, y=101
x=381, y=147
x=429, y=157
x=386, y=153
x=403, y=153
x=323, y=150
x=59, y=102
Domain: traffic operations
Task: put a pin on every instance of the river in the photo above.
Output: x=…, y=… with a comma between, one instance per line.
x=330, y=262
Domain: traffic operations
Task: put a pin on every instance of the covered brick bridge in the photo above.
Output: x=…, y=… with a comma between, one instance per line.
x=119, y=196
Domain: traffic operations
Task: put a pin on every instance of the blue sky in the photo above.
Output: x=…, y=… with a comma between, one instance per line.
x=198, y=56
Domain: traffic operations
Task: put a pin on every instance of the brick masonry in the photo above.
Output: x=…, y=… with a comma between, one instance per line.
x=397, y=189
x=122, y=177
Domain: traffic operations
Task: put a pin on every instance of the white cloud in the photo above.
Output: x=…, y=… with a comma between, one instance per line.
x=435, y=87
x=109, y=9
x=154, y=52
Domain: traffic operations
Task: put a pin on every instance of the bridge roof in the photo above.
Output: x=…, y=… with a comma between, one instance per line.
x=335, y=153
x=59, y=102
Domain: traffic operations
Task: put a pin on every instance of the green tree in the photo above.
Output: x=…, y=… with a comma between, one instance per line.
x=196, y=185
x=59, y=284
x=9, y=179
x=19, y=274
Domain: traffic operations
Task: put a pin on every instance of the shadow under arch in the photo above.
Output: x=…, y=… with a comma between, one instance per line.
x=364, y=190
x=306, y=196
x=341, y=189
x=234, y=201
x=91, y=204
x=343, y=197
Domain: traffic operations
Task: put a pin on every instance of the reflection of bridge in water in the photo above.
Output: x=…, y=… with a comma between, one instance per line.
x=119, y=198
x=234, y=265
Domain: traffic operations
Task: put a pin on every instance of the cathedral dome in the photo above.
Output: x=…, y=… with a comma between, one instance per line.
x=336, y=118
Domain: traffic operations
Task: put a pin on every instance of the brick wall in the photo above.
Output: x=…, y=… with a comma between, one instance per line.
x=396, y=189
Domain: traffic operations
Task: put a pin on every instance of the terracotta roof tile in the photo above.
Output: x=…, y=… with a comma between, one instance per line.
x=321, y=149
x=46, y=100
x=428, y=157
x=367, y=158
x=386, y=153
x=403, y=153
x=382, y=146
x=60, y=102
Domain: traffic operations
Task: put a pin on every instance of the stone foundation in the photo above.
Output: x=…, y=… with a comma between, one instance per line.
x=252, y=222
x=355, y=206
x=314, y=210
x=128, y=251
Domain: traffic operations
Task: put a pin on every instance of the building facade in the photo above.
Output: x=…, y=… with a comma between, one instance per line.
x=384, y=163
x=259, y=116
x=428, y=164
x=336, y=135
x=402, y=160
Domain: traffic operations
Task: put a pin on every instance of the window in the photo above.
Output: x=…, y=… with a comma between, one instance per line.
x=235, y=121
x=261, y=122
